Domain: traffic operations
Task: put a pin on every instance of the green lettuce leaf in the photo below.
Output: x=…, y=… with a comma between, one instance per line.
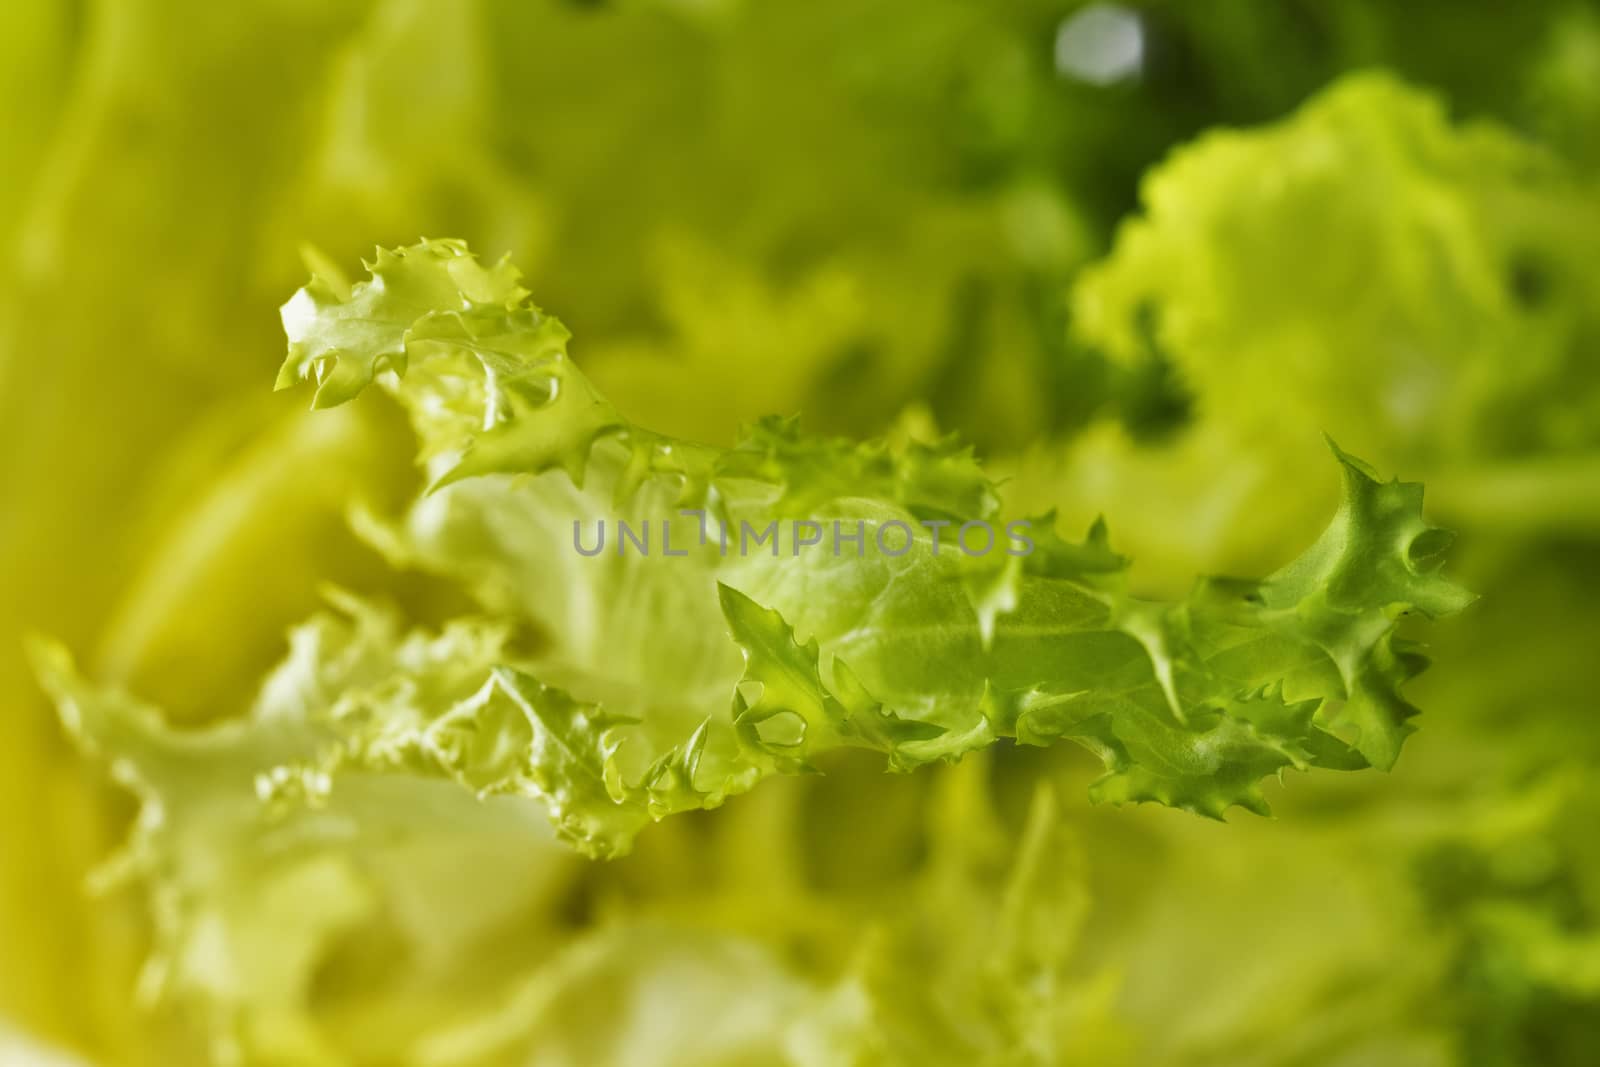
x=256, y=874
x=1418, y=287
x=664, y=684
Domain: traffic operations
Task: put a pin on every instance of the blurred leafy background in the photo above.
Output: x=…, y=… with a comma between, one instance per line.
x=1141, y=254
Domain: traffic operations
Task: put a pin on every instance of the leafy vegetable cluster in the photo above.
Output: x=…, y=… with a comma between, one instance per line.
x=900, y=272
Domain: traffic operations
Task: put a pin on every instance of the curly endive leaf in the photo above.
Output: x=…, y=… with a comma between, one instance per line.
x=323, y=814
x=892, y=641
x=1369, y=265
